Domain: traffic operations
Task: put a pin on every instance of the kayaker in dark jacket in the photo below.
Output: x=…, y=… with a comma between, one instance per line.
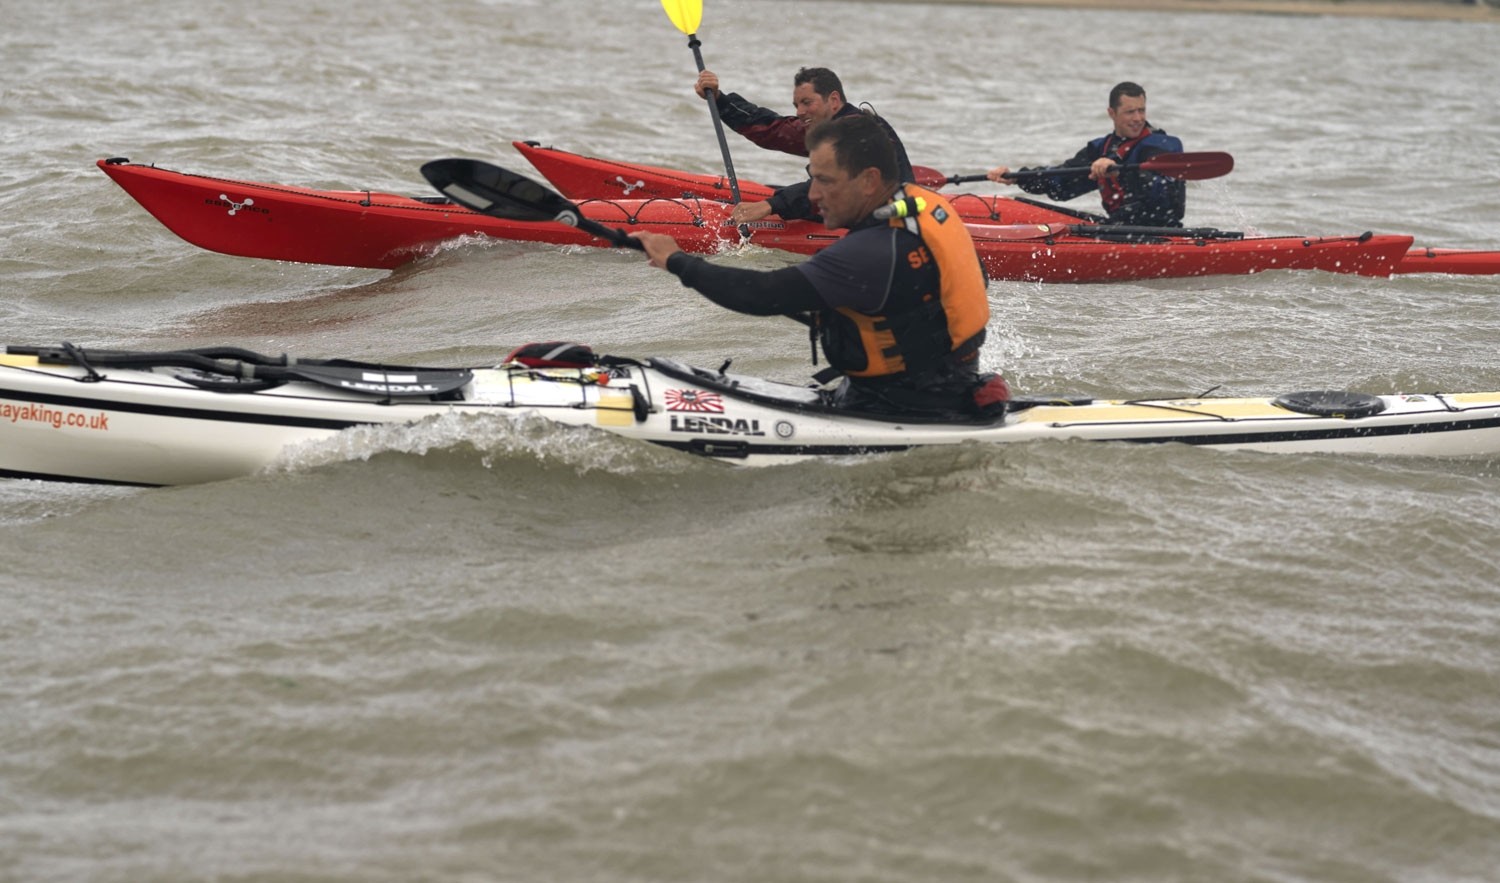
x=1130, y=197
x=898, y=305
x=817, y=95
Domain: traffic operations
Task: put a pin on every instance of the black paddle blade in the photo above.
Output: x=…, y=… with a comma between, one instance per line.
x=490, y=190
x=501, y=193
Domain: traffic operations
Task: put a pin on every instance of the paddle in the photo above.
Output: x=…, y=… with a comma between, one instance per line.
x=1126, y=231
x=491, y=190
x=246, y=367
x=926, y=176
x=687, y=15
x=1023, y=232
x=1186, y=166
x=501, y=193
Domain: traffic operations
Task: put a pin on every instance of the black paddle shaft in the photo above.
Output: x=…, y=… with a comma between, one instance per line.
x=713, y=110
x=1033, y=174
x=1105, y=231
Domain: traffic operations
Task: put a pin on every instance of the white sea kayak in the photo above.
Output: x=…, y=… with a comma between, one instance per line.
x=166, y=418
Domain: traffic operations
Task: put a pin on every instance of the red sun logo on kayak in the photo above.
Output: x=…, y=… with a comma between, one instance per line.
x=695, y=400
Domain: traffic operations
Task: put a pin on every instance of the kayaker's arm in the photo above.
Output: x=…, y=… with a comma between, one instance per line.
x=762, y=126
x=1062, y=187
x=792, y=203
x=781, y=292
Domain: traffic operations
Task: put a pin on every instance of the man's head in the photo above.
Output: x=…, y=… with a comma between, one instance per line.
x=817, y=94
x=1127, y=109
x=853, y=168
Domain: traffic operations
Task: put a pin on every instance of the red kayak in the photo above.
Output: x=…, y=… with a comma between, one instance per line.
x=1458, y=261
x=362, y=228
x=588, y=177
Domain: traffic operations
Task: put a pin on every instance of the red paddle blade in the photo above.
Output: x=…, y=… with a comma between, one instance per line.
x=928, y=177
x=1190, y=166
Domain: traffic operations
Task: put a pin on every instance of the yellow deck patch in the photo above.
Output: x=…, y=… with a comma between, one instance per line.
x=616, y=407
x=1161, y=411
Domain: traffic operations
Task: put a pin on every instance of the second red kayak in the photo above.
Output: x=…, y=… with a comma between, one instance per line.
x=579, y=176
x=361, y=228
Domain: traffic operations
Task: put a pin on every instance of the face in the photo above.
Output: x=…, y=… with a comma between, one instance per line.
x=813, y=108
x=1130, y=116
x=842, y=200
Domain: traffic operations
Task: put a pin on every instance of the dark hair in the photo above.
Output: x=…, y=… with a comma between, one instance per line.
x=824, y=81
x=1126, y=88
x=859, y=142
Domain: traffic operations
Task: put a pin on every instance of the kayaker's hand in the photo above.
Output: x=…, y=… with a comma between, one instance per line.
x=1102, y=167
x=749, y=211
x=659, y=247
x=998, y=173
x=706, y=80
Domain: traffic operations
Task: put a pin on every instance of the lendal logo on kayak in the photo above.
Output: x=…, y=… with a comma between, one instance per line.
x=236, y=207
x=713, y=425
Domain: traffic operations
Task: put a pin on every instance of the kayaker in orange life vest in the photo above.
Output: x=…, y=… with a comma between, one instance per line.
x=817, y=95
x=898, y=305
x=1132, y=197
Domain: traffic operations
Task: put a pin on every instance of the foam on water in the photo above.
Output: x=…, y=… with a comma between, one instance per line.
x=494, y=439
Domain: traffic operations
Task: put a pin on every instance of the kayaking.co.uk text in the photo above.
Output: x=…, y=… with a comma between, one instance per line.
x=34, y=413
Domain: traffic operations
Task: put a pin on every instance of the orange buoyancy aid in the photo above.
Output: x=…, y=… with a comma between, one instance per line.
x=922, y=324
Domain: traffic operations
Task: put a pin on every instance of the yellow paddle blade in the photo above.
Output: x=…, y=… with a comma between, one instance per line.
x=685, y=14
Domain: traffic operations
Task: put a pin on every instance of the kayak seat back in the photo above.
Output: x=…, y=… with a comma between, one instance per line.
x=553, y=354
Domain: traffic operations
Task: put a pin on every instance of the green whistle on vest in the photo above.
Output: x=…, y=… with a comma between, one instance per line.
x=902, y=208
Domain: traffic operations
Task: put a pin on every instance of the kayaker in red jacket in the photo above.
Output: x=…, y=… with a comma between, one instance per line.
x=1133, y=197
x=898, y=305
x=817, y=95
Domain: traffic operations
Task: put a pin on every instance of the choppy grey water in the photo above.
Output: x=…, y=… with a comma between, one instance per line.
x=530, y=655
